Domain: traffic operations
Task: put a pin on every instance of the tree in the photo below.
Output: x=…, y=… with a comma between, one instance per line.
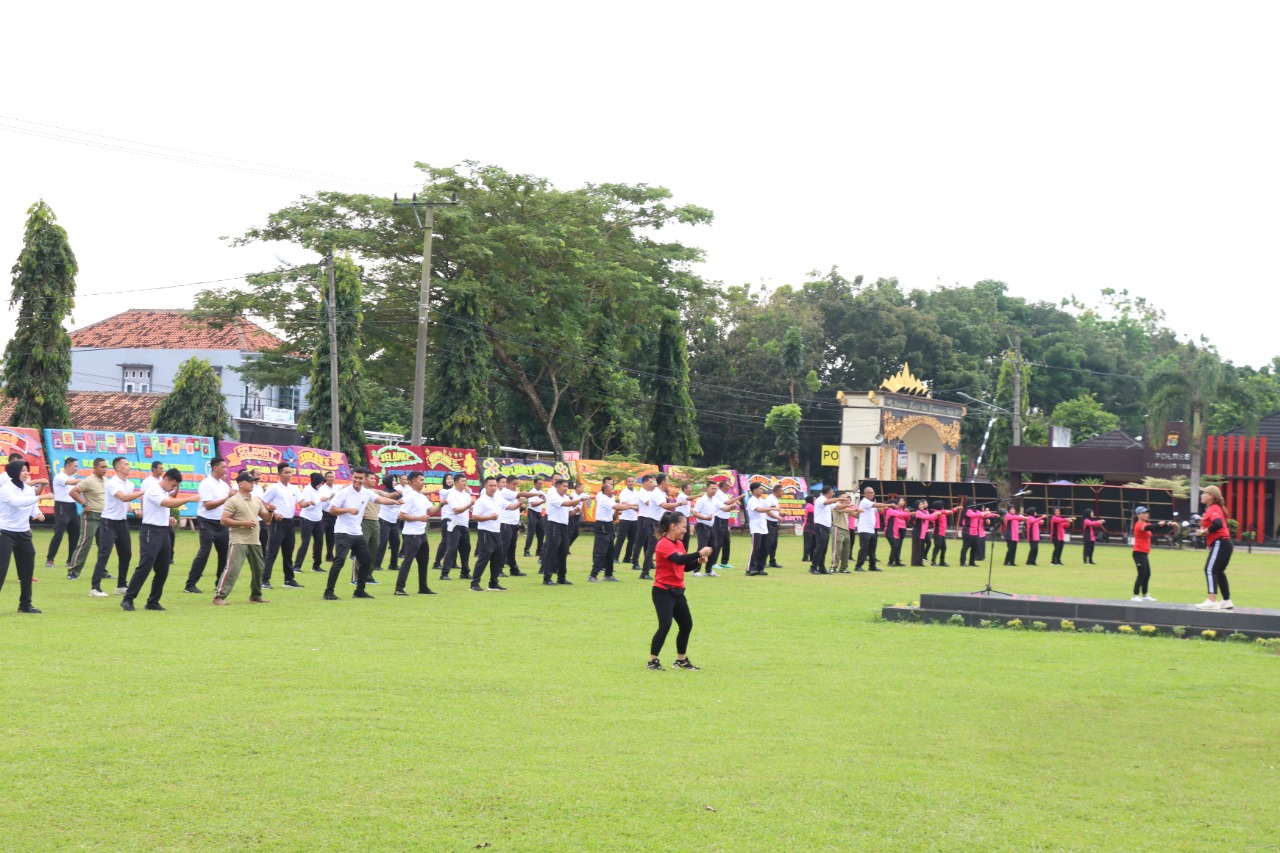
x=196, y=405
x=784, y=420
x=1191, y=384
x=673, y=429
x=1084, y=416
x=791, y=357
x=37, y=360
x=351, y=389
x=459, y=412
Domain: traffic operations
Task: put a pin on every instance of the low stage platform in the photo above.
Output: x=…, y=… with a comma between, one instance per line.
x=1087, y=612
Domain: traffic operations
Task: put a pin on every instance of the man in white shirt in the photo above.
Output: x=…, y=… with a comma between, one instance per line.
x=511, y=490
x=282, y=496
x=534, y=521
x=114, y=532
x=348, y=505
x=774, y=499
x=455, y=508
x=213, y=493
x=491, y=550
x=415, y=513
x=602, y=550
x=388, y=525
x=557, y=544
x=154, y=541
x=866, y=528
x=66, y=515
x=725, y=507
x=653, y=493
x=311, y=523
x=331, y=484
x=759, y=511
x=626, y=524
x=704, y=514
x=153, y=478
x=822, y=506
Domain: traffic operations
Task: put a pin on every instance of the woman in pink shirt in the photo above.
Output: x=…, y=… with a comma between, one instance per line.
x=1091, y=528
x=1034, y=521
x=1012, y=520
x=1058, y=526
x=938, y=556
x=921, y=524
x=895, y=522
x=975, y=535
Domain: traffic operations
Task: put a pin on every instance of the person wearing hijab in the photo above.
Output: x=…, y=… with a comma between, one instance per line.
x=18, y=506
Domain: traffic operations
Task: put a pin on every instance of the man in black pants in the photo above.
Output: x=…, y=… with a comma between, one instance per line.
x=652, y=496
x=602, y=547
x=331, y=484
x=775, y=502
x=348, y=505
x=626, y=523
x=282, y=498
x=114, y=532
x=415, y=514
x=534, y=520
x=490, y=551
x=866, y=529
x=66, y=515
x=153, y=538
x=822, y=508
x=557, y=550
x=214, y=491
x=455, y=509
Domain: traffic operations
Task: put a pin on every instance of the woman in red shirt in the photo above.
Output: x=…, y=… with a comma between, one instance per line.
x=1218, y=540
x=1142, y=552
x=668, y=588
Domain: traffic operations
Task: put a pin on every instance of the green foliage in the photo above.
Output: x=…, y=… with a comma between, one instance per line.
x=351, y=384
x=1084, y=416
x=784, y=421
x=791, y=357
x=196, y=405
x=673, y=430
x=37, y=359
x=956, y=619
x=459, y=412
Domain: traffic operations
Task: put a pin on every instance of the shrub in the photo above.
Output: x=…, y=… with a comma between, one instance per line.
x=1179, y=631
x=1039, y=626
x=956, y=619
x=988, y=623
x=1125, y=629
x=1098, y=629
x=1237, y=637
x=1209, y=634
x=1067, y=625
x=1014, y=625
x=1148, y=630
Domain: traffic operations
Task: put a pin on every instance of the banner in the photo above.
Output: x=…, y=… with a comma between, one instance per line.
x=190, y=454
x=591, y=474
x=433, y=462
x=725, y=478
x=262, y=459
x=794, y=490
x=491, y=466
x=27, y=442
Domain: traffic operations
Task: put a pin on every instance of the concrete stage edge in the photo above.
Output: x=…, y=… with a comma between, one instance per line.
x=1087, y=612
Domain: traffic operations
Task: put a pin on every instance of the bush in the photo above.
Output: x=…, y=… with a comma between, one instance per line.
x=956, y=619
x=1179, y=631
x=1067, y=625
x=1014, y=625
x=1098, y=629
x=1148, y=630
x=988, y=623
x=1039, y=626
x=1237, y=637
x=1125, y=629
x=1209, y=634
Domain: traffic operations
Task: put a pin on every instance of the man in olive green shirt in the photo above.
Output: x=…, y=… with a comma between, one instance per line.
x=242, y=513
x=91, y=491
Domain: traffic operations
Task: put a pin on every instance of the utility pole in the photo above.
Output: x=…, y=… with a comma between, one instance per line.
x=1017, y=390
x=424, y=305
x=334, y=440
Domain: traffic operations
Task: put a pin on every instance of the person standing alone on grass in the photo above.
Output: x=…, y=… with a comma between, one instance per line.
x=66, y=515
x=155, y=543
x=242, y=514
x=19, y=502
x=91, y=492
x=1218, y=540
x=1142, y=552
x=669, y=600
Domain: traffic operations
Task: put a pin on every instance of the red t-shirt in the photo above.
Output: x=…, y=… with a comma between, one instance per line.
x=1214, y=511
x=668, y=574
x=1142, y=537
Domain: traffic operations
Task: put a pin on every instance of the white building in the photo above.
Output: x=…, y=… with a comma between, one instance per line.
x=139, y=352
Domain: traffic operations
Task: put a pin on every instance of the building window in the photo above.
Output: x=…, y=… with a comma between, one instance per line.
x=135, y=378
x=289, y=398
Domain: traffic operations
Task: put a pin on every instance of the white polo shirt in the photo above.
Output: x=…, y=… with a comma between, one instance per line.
x=866, y=516
x=651, y=501
x=757, y=517
x=486, y=505
x=211, y=490
x=326, y=493
x=114, y=509
x=508, y=516
x=153, y=510
x=415, y=503
x=557, y=512
x=604, y=507
x=456, y=500
x=284, y=497
x=721, y=500
x=17, y=506
x=315, y=512
x=822, y=511
x=349, y=498
x=629, y=496
x=61, y=488
x=706, y=506
x=684, y=506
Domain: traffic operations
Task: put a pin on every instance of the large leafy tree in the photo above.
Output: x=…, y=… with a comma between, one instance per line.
x=673, y=429
x=459, y=412
x=196, y=405
x=1188, y=386
x=1084, y=416
x=37, y=359
x=784, y=421
x=352, y=398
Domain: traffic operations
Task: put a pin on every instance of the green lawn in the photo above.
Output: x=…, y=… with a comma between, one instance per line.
x=526, y=720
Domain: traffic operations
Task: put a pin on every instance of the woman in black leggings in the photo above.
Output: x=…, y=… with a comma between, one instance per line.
x=669, y=561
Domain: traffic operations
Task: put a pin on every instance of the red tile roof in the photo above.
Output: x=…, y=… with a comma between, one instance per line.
x=173, y=328
x=102, y=410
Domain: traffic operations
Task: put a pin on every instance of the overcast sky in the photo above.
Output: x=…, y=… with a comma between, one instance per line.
x=1059, y=148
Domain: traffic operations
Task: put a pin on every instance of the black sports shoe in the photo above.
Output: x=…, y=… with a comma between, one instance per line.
x=516, y=573
x=874, y=569
x=360, y=593
x=293, y=584
x=321, y=570
x=71, y=576
x=593, y=579
x=329, y=596
x=611, y=579
x=564, y=582
x=527, y=554
x=126, y=604
x=401, y=592
x=644, y=576
x=192, y=588
x=427, y=591
x=466, y=575
x=153, y=607
x=445, y=577
x=267, y=585
x=546, y=581
x=29, y=609
x=654, y=663
x=475, y=587
x=494, y=587
x=684, y=663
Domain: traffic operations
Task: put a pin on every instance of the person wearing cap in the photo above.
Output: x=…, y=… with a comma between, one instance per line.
x=154, y=541
x=1217, y=539
x=841, y=536
x=1142, y=527
x=243, y=513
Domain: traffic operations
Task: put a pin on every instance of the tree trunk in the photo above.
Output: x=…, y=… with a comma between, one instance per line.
x=530, y=393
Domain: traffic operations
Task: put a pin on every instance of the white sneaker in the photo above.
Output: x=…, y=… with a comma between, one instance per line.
x=1207, y=604
x=696, y=574
x=97, y=593
x=1149, y=598
x=712, y=574
x=121, y=590
x=1136, y=598
x=1225, y=605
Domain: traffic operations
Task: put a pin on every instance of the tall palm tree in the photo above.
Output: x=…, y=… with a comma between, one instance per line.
x=1189, y=387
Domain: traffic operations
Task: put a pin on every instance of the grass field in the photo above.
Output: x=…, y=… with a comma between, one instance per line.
x=526, y=720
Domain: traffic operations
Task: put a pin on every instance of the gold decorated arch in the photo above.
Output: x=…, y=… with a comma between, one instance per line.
x=895, y=428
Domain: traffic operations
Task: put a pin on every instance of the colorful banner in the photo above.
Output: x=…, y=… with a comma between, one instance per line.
x=433, y=462
x=492, y=466
x=726, y=479
x=190, y=454
x=591, y=474
x=263, y=459
x=27, y=442
x=794, y=490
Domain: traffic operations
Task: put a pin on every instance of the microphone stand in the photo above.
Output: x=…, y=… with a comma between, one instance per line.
x=991, y=554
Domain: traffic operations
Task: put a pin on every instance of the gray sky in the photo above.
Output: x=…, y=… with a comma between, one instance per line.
x=1061, y=149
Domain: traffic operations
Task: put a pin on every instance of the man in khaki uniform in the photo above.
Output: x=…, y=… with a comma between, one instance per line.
x=842, y=540
x=243, y=512
x=91, y=491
